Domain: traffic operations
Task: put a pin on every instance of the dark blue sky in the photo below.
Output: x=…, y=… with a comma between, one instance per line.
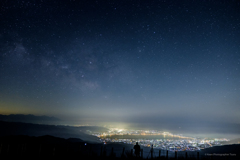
x=108, y=62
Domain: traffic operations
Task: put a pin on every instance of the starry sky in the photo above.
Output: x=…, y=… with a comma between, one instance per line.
x=121, y=62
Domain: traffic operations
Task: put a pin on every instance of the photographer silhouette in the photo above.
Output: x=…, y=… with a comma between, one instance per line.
x=137, y=149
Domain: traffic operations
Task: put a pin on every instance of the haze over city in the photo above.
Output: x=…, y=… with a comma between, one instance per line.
x=166, y=65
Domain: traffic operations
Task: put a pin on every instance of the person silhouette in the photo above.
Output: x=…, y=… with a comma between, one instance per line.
x=137, y=149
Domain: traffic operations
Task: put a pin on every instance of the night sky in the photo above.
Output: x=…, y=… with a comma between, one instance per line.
x=121, y=62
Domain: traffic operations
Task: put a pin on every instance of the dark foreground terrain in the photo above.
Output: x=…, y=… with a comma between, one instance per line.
x=33, y=141
x=27, y=147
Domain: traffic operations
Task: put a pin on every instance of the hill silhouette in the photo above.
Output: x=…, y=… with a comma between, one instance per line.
x=19, y=128
x=29, y=118
x=35, y=140
x=30, y=147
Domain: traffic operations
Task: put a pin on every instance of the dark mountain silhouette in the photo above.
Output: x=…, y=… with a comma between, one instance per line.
x=19, y=128
x=18, y=138
x=222, y=152
x=46, y=146
x=30, y=119
x=54, y=147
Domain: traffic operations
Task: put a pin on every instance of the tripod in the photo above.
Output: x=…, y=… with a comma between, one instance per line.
x=151, y=152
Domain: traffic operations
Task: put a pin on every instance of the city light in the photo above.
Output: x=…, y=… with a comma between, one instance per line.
x=162, y=140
